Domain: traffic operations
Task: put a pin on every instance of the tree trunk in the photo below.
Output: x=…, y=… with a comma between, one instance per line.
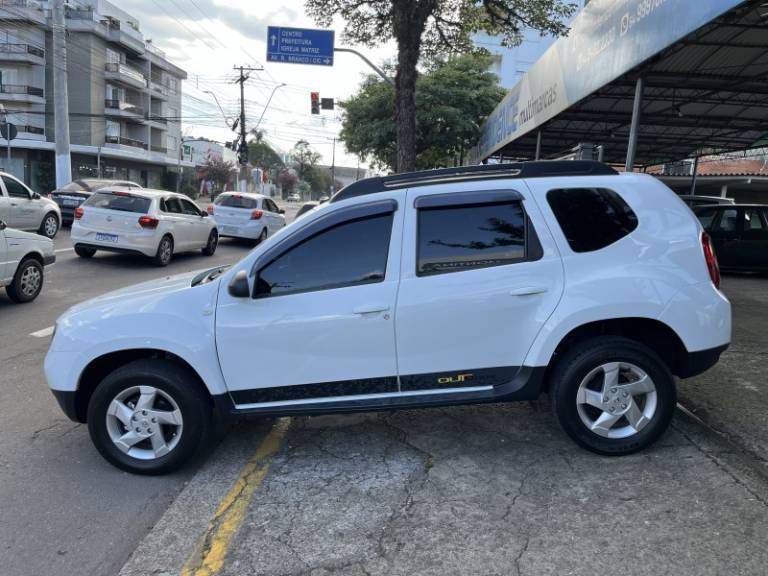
x=408, y=24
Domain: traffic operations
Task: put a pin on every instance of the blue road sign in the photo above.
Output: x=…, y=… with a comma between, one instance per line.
x=300, y=46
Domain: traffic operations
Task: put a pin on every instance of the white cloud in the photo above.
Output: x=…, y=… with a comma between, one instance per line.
x=208, y=37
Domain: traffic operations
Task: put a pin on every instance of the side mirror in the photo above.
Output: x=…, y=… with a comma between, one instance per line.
x=238, y=286
x=203, y=214
x=35, y=196
x=3, y=226
x=281, y=211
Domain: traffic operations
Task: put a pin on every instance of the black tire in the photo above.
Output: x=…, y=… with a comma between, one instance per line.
x=577, y=363
x=213, y=242
x=50, y=225
x=177, y=382
x=85, y=252
x=163, y=256
x=262, y=236
x=20, y=290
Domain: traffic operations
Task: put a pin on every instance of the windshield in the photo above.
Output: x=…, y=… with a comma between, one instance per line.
x=121, y=201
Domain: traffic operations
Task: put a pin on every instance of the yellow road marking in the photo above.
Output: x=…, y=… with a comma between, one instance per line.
x=211, y=550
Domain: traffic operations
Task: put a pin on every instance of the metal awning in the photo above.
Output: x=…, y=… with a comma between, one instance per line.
x=704, y=93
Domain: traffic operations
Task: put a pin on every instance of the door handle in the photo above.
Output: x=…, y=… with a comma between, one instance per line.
x=528, y=290
x=371, y=309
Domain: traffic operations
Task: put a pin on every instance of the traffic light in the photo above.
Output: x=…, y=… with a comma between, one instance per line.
x=315, y=96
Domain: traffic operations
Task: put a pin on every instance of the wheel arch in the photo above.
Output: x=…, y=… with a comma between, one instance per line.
x=100, y=367
x=654, y=334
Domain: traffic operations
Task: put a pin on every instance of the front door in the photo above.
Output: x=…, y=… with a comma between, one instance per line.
x=480, y=277
x=25, y=213
x=319, y=326
x=198, y=226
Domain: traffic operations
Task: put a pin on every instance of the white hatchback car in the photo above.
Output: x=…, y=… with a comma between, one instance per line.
x=24, y=209
x=245, y=215
x=154, y=223
x=23, y=260
x=458, y=286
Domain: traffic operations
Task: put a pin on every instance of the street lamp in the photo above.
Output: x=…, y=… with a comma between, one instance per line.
x=267, y=106
x=226, y=119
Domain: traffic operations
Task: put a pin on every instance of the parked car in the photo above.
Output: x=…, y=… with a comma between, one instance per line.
x=306, y=208
x=695, y=200
x=294, y=198
x=456, y=286
x=154, y=223
x=249, y=216
x=23, y=209
x=739, y=233
x=23, y=260
x=78, y=191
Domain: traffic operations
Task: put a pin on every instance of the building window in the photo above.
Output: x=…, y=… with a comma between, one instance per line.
x=113, y=129
x=171, y=142
x=173, y=114
x=114, y=57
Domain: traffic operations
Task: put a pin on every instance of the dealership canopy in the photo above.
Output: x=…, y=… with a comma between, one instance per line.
x=650, y=81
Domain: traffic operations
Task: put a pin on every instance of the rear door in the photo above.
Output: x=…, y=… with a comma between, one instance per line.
x=25, y=212
x=275, y=219
x=198, y=226
x=5, y=269
x=5, y=206
x=725, y=229
x=179, y=225
x=480, y=276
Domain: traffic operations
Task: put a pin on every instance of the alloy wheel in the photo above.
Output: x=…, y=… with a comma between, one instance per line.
x=144, y=422
x=31, y=278
x=51, y=226
x=616, y=400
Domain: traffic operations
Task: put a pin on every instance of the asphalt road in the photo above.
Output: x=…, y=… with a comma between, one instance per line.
x=64, y=510
x=486, y=490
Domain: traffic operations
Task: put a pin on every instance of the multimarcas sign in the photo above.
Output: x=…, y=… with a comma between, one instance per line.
x=607, y=39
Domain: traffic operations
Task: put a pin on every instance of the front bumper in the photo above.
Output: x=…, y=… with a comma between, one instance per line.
x=67, y=403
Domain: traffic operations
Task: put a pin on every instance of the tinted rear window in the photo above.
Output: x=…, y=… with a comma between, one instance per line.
x=120, y=202
x=237, y=202
x=456, y=238
x=591, y=218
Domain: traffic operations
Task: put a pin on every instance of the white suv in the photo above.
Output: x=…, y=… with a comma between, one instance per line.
x=23, y=259
x=153, y=223
x=471, y=285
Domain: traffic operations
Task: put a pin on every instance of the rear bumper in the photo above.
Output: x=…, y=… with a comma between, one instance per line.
x=112, y=248
x=130, y=243
x=695, y=363
x=249, y=231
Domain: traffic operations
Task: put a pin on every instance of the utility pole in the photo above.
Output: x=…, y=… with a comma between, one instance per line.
x=333, y=168
x=60, y=96
x=242, y=148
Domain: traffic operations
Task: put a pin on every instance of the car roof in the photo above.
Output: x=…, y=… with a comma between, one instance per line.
x=513, y=170
x=142, y=192
x=252, y=195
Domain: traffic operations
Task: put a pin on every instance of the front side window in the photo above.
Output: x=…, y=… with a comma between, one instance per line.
x=591, y=218
x=189, y=208
x=754, y=219
x=466, y=237
x=348, y=254
x=15, y=188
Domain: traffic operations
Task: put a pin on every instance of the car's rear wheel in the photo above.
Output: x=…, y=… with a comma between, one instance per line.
x=49, y=227
x=27, y=282
x=612, y=395
x=85, y=252
x=213, y=242
x=262, y=236
x=149, y=417
x=164, y=251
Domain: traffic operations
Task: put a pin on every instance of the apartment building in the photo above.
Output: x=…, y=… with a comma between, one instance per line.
x=124, y=95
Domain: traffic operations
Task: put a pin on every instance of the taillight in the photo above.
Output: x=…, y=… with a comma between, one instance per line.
x=711, y=259
x=79, y=213
x=256, y=214
x=210, y=209
x=148, y=222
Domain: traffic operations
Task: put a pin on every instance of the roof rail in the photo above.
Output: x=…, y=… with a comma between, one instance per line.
x=537, y=169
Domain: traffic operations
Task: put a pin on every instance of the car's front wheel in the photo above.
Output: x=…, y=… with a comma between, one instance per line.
x=149, y=417
x=49, y=227
x=27, y=282
x=613, y=395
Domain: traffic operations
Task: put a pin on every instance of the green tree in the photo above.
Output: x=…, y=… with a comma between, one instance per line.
x=453, y=98
x=262, y=155
x=319, y=180
x=433, y=27
x=304, y=159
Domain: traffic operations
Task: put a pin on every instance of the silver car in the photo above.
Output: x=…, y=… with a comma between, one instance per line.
x=23, y=260
x=24, y=209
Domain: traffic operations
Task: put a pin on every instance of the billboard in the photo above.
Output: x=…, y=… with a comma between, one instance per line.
x=607, y=39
